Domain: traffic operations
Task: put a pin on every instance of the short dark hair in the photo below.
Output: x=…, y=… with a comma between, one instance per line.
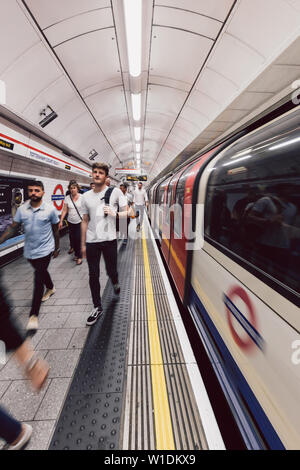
x=39, y=184
x=101, y=166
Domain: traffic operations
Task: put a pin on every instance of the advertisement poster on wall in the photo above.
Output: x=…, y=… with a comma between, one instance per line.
x=13, y=193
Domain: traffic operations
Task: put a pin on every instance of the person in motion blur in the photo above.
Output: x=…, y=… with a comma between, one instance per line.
x=41, y=243
x=72, y=208
x=124, y=223
x=140, y=200
x=15, y=433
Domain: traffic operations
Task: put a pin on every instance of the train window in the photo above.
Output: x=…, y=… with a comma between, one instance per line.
x=179, y=203
x=254, y=211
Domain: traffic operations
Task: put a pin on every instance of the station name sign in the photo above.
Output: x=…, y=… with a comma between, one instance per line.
x=6, y=145
x=136, y=178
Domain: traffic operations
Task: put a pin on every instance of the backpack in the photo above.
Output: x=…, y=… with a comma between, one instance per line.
x=106, y=198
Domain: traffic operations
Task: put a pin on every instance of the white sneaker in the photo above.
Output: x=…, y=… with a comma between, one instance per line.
x=48, y=294
x=33, y=323
x=27, y=431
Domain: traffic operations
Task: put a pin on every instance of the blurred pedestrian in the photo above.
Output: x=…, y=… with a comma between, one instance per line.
x=41, y=243
x=15, y=433
x=140, y=200
x=72, y=208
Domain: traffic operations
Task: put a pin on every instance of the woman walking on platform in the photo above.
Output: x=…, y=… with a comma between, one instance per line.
x=72, y=208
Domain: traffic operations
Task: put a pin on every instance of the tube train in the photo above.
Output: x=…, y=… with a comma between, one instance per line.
x=229, y=228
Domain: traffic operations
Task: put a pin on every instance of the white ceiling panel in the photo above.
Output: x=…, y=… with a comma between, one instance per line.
x=57, y=95
x=156, y=134
x=171, y=47
x=232, y=115
x=186, y=20
x=275, y=78
x=78, y=25
x=182, y=132
x=294, y=3
x=165, y=100
x=159, y=121
x=67, y=114
x=250, y=100
x=13, y=45
x=90, y=59
x=194, y=120
x=48, y=12
x=213, y=8
x=265, y=32
x=169, y=82
x=114, y=123
x=107, y=104
x=36, y=70
x=196, y=117
x=76, y=132
x=291, y=55
x=215, y=85
x=205, y=104
x=99, y=143
x=235, y=60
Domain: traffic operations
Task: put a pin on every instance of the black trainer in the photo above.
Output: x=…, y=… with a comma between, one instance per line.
x=117, y=288
x=95, y=314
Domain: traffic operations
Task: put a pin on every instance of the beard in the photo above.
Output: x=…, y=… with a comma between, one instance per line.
x=35, y=198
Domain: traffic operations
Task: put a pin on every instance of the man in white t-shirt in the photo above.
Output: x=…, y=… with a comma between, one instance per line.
x=99, y=234
x=140, y=199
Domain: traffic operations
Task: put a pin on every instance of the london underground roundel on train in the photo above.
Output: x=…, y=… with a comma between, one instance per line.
x=58, y=197
x=248, y=322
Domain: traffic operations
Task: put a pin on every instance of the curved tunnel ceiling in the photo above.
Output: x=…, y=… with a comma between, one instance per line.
x=205, y=66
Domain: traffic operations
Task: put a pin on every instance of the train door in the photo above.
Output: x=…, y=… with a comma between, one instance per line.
x=165, y=239
x=177, y=258
x=184, y=212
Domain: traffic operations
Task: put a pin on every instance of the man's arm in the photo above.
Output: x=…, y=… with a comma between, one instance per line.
x=10, y=232
x=56, y=239
x=84, y=227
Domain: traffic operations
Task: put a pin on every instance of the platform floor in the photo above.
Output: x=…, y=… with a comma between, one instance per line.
x=60, y=340
x=130, y=381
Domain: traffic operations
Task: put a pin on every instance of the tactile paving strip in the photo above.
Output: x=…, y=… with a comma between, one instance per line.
x=91, y=415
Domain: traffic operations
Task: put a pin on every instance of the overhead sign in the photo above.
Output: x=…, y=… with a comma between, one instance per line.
x=128, y=171
x=67, y=167
x=249, y=323
x=132, y=178
x=143, y=178
x=6, y=145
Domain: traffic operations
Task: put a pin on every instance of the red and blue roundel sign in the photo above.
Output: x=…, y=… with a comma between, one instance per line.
x=249, y=323
x=58, y=197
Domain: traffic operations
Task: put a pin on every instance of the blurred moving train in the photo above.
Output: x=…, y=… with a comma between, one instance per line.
x=229, y=228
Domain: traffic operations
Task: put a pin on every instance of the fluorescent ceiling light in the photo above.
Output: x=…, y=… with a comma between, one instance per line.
x=289, y=142
x=2, y=92
x=133, y=26
x=136, y=106
x=137, y=147
x=137, y=133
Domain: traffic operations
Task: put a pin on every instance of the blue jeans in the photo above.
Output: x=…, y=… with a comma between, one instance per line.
x=9, y=427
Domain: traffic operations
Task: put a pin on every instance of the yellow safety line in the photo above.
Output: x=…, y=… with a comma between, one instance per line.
x=162, y=415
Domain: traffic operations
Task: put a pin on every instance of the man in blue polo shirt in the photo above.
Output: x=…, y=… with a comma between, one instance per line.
x=41, y=242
